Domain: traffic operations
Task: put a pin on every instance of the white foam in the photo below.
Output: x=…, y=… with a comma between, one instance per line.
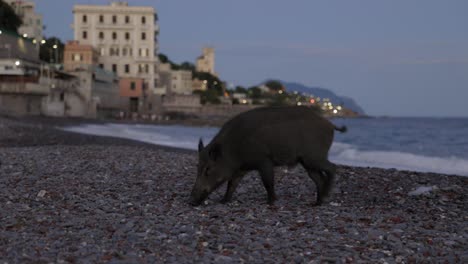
x=350, y=155
x=346, y=154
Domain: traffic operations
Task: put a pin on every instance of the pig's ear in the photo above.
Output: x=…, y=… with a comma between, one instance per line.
x=200, y=145
x=215, y=152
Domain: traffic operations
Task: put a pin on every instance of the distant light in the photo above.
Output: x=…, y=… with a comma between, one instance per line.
x=338, y=107
x=43, y=41
x=335, y=111
x=280, y=91
x=299, y=103
x=55, y=46
x=0, y=32
x=312, y=101
x=330, y=107
x=17, y=63
x=244, y=101
x=25, y=35
x=34, y=41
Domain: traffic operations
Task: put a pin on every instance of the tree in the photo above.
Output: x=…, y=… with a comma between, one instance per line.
x=255, y=92
x=240, y=89
x=208, y=96
x=188, y=66
x=48, y=53
x=8, y=18
x=163, y=58
x=275, y=85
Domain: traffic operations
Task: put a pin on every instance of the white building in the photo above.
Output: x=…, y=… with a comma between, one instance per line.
x=125, y=37
x=32, y=26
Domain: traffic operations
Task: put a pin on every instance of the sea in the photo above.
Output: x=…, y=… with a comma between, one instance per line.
x=438, y=145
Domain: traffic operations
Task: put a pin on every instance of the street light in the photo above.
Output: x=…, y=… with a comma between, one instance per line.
x=43, y=41
x=17, y=63
x=25, y=35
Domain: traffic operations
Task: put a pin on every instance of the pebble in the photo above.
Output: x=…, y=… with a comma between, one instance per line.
x=91, y=199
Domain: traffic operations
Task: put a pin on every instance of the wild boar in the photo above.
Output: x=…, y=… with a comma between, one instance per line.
x=261, y=139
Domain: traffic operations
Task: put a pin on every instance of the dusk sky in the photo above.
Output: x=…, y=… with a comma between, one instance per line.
x=396, y=58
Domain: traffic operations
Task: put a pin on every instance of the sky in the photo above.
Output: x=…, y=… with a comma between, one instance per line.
x=395, y=58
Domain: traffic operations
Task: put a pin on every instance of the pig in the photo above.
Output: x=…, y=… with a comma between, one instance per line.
x=261, y=139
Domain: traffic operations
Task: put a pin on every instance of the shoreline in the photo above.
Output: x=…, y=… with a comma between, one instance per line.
x=68, y=197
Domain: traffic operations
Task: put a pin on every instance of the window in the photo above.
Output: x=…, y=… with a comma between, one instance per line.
x=127, y=19
x=62, y=96
x=114, y=35
x=101, y=66
x=101, y=19
x=132, y=86
x=127, y=68
x=85, y=18
x=103, y=51
x=101, y=35
x=143, y=20
x=127, y=35
x=77, y=57
x=85, y=34
x=146, y=68
x=114, y=68
x=114, y=19
x=38, y=22
x=124, y=52
x=143, y=36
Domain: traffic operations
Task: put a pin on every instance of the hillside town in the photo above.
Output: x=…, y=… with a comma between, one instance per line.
x=113, y=69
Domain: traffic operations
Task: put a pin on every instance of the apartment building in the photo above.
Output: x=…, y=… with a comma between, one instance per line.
x=32, y=26
x=126, y=40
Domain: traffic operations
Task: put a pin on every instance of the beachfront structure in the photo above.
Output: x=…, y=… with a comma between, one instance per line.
x=175, y=81
x=32, y=26
x=206, y=62
x=126, y=39
x=99, y=89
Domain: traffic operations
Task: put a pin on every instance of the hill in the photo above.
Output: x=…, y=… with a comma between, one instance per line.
x=324, y=93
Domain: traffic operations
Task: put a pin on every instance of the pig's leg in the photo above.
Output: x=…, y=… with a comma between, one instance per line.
x=323, y=174
x=266, y=172
x=232, y=185
x=317, y=177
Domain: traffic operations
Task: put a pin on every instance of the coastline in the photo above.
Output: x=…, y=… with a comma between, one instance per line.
x=72, y=197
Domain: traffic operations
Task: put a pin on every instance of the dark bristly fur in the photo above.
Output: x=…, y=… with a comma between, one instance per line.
x=261, y=139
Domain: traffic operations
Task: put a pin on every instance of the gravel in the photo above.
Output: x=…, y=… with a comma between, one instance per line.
x=68, y=198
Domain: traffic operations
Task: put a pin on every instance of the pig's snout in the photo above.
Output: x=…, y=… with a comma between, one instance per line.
x=197, y=198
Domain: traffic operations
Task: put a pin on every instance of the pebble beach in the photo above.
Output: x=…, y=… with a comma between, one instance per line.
x=71, y=198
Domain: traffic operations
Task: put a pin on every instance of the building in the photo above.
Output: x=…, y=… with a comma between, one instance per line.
x=22, y=91
x=126, y=40
x=32, y=26
x=14, y=46
x=76, y=56
x=206, y=62
x=99, y=89
x=174, y=81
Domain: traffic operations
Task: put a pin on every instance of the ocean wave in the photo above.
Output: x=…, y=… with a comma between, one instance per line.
x=348, y=154
x=341, y=153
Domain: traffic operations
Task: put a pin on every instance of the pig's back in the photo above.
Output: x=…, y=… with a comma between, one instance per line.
x=271, y=122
